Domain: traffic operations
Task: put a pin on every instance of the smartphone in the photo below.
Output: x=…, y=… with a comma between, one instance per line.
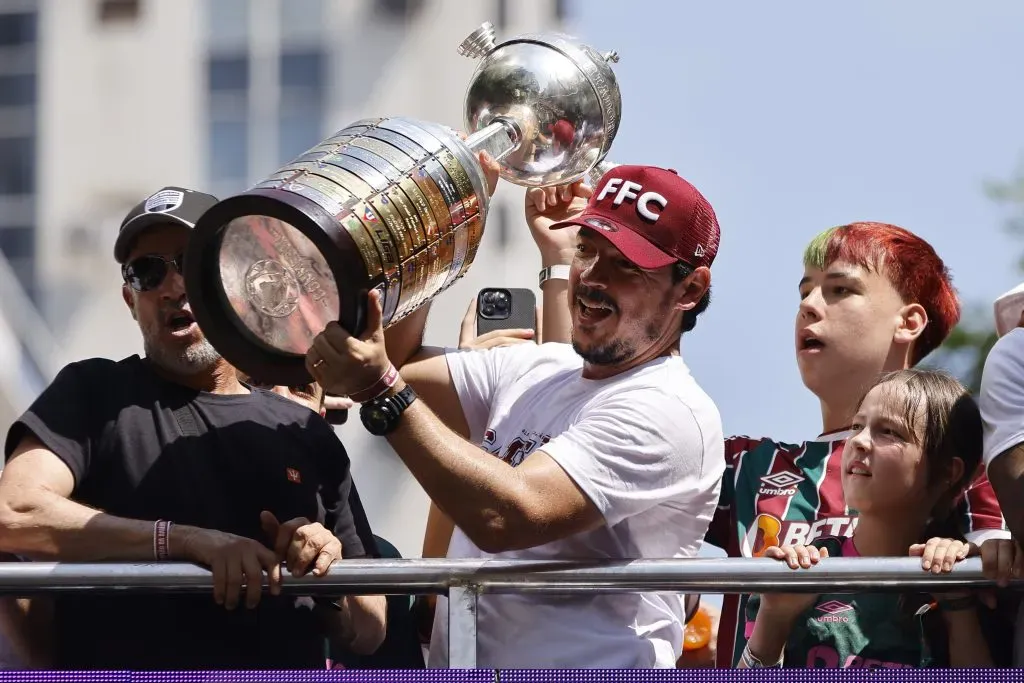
x=503, y=309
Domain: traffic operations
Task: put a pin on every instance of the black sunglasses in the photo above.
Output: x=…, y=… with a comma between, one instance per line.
x=148, y=272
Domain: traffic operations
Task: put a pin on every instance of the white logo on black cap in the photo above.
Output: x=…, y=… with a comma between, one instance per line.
x=164, y=201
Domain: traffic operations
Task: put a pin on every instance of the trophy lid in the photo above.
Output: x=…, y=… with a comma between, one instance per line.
x=563, y=95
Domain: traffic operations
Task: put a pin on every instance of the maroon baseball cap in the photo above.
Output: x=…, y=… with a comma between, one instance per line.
x=652, y=216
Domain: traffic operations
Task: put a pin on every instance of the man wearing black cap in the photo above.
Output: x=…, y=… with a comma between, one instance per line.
x=170, y=457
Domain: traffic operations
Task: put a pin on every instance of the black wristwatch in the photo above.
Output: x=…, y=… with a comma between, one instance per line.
x=380, y=416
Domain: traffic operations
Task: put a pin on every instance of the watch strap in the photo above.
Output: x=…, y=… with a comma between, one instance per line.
x=559, y=272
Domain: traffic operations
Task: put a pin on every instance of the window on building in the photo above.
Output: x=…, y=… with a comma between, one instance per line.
x=17, y=165
x=303, y=77
x=110, y=11
x=303, y=70
x=17, y=28
x=17, y=90
x=228, y=149
x=225, y=73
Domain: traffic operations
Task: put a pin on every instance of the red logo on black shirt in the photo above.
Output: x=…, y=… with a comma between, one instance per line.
x=293, y=475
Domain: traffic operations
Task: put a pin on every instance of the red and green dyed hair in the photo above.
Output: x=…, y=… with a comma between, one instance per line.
x=907, y=261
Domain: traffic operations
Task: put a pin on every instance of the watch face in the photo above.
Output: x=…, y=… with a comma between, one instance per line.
x=377, y=419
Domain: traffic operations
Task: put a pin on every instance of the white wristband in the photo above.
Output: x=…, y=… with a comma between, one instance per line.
x=560, y=272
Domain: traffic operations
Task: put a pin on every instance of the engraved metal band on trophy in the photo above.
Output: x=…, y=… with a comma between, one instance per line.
x=413, y=223
x=394, y=288
x=400, y=142
x=452, y=200
x=426, y=208
x=426, y=217
x=433, y=167
x=380, y=202
x=382, y=239
x=368, y=174
x=435, y=199
x=422, y=279
x=414, y=133
x=476, y=233
x=400, y=160
x=461, y=241
x=346, y=179
x=390, y=261
x=368, y=157
x=395, y=225
x=462, y=184
x=381, y=154
x=367, y=249
x=340, y=204
x=445, y=255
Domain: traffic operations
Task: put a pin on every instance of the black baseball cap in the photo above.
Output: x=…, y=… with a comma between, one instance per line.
x=175, y=205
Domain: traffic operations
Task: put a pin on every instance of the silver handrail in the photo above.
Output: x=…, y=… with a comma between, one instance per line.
x=465, y=580
x=410, y=576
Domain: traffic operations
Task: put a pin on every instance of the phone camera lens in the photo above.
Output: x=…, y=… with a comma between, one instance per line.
x=488, y=309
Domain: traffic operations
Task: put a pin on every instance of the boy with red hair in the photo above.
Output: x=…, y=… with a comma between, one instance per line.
x=874, y=298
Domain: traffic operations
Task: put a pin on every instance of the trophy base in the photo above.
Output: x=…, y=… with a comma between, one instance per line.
x=274, y=268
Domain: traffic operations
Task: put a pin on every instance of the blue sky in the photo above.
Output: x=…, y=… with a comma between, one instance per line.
x=793, y=117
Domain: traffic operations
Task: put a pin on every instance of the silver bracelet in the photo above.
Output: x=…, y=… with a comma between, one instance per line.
x=560, y=272
x=748, y=660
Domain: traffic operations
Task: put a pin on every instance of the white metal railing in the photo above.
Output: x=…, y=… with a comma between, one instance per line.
x=465, y=580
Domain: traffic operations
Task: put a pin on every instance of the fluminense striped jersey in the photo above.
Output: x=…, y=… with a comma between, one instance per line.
x=777, y=493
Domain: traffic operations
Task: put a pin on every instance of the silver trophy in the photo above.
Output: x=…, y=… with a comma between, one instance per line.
x=392, y=204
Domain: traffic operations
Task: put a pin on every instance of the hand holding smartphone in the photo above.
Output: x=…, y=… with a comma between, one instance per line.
x=500, y=308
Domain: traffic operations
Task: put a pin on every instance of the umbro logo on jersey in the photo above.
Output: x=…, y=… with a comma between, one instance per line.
x=779, y=484
x=834, y=607
x=833, y=611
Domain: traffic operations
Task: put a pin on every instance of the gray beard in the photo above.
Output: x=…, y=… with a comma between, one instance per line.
x=194, y=359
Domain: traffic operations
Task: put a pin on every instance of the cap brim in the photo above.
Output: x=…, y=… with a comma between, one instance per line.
x=136, y=226
x=634, y=246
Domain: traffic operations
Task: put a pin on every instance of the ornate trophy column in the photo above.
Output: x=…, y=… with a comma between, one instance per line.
x=393, y=204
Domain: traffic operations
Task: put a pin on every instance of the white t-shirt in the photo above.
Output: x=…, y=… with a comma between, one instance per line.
x=1002, y=395
x=646, y=448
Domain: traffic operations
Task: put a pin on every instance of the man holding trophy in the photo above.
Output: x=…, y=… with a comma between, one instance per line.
x=324, y=270
x=606, y=467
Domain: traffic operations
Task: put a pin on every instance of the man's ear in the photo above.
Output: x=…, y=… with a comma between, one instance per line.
x=913, y=320
x=129, y=300
x=695, y=286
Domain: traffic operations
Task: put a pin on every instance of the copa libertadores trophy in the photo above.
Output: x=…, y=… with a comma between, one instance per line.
x=392, y=204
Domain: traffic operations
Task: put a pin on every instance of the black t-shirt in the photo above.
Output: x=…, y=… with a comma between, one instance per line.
x=144, y=448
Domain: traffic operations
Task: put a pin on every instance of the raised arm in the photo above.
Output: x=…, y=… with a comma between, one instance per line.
x=1001, y=401
x=545, y=207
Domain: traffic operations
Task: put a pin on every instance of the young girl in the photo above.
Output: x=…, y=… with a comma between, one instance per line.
x=916, y=444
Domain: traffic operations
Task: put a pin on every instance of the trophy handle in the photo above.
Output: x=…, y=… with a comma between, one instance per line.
x=479, y=43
